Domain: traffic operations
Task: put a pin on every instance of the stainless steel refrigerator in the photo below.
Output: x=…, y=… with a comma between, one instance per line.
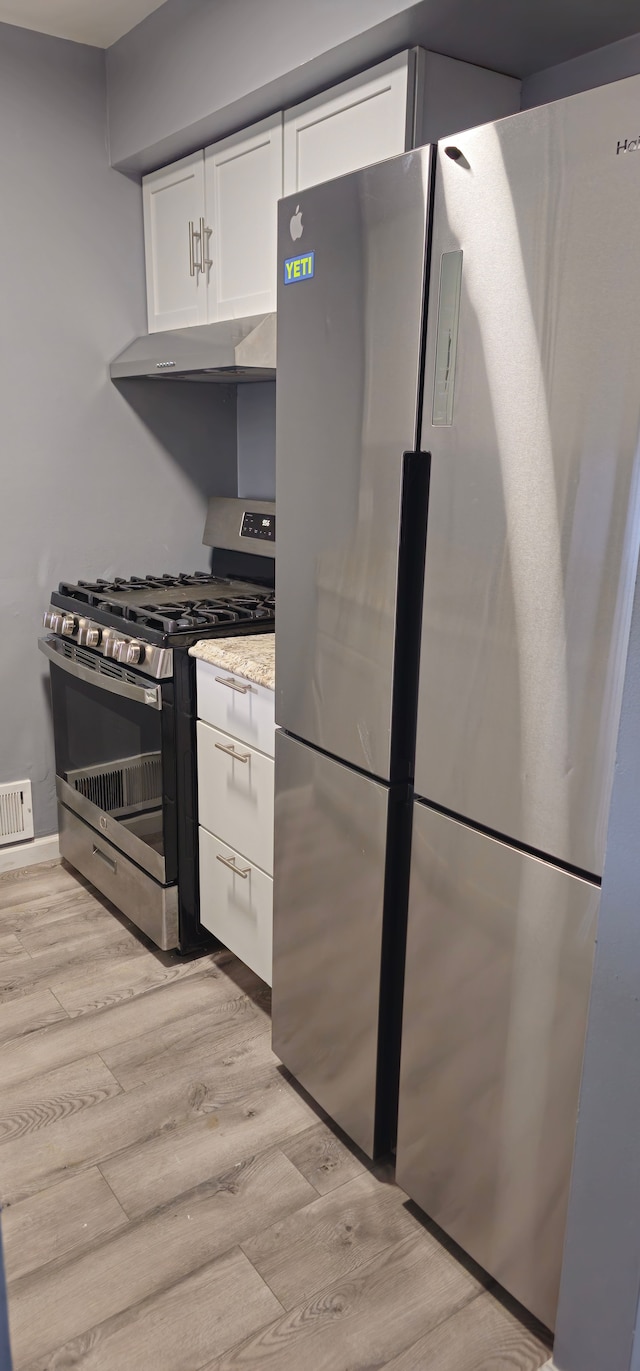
x=352, y=491
x=532, y=417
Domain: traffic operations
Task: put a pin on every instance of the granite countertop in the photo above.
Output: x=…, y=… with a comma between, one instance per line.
x=252, y=656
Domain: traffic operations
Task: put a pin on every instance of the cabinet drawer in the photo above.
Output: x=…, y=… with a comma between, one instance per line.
x=238, y=707
x=235, y=794
x=236, y=906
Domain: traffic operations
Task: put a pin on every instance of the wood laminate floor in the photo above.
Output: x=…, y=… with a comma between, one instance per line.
x=171, y=1201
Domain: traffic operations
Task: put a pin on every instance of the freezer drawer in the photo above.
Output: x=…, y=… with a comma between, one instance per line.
x=329, y=887
x=499, y=957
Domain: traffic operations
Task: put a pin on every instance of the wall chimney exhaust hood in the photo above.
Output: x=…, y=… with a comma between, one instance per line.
x=234, y=350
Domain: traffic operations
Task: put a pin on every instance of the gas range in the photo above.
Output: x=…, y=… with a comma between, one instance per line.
x=123, y=694
x=138, y=622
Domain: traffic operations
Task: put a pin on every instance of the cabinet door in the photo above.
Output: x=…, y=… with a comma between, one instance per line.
x=174, y=206
x=361, y=121
x=243, y=176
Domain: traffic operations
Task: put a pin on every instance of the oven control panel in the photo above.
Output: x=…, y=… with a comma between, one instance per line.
x=259, y=526
x=105, y=642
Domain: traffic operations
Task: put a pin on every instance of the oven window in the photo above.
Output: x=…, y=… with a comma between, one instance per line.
x=109, y=751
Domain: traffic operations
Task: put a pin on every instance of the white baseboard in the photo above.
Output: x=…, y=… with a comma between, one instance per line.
x=29, y=854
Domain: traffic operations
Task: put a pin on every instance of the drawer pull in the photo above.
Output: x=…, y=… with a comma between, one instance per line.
x=231, y=863
x=108, y=861
x=234, y=685
x=231, y=752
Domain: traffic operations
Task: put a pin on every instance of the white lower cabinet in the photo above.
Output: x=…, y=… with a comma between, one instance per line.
x=236, y=903
x=235, y=794
x=237, y=706
x=235, y=739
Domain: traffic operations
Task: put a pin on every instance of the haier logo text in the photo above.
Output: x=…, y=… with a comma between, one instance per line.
x=631, y=145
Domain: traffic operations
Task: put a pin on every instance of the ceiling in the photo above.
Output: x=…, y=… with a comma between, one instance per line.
x=516, y=36
x=98, y=22
x=520, y=37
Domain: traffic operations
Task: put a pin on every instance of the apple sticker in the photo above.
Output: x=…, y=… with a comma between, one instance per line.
x=295, y=224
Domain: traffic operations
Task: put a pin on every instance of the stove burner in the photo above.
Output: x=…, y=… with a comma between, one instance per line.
x=201, y=613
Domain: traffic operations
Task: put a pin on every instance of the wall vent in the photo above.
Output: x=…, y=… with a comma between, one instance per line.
x=16, y=812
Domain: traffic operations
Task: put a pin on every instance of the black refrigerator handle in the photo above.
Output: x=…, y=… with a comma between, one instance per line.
x=411, y=563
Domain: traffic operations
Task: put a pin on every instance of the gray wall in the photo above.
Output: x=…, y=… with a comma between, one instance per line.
x=257, y=440
x=610, y=63
x=195, y=70
x=87, y=489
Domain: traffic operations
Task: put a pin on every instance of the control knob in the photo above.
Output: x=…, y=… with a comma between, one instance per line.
x=110, y=642
x=129, y=654
x=57, y=622
x=89, y=635
x=135, y=653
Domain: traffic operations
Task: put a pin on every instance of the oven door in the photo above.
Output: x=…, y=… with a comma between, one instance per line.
x=115, y=753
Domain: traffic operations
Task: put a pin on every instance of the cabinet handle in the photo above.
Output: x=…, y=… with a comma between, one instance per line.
x=205, y=234
x=231, y=752
x=231, y=863
x=197, y=261
x=234, y=685
x=192, y=264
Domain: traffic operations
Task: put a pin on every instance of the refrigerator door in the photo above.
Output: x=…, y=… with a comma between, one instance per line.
x=349, y=359
x=532, y=416
x=499, y=958
x=331, y=827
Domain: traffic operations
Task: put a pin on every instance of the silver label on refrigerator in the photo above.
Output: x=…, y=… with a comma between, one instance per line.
x=447, y=337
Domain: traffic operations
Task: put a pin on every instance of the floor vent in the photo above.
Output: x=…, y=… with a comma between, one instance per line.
x=16, y=812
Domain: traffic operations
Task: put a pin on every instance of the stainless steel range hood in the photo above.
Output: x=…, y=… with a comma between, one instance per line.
x=234, y=350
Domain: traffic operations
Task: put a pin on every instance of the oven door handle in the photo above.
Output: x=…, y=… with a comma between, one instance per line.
x=150, y=695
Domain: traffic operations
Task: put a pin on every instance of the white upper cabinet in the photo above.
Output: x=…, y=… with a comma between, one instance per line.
x=174, y=212
x=210, y=219
x=243, y=181
x=210, y=225
x=363, y=120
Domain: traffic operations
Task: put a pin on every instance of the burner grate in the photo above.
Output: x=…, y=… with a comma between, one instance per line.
x=195, y=614
x=98, y=592
x=157, y=608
